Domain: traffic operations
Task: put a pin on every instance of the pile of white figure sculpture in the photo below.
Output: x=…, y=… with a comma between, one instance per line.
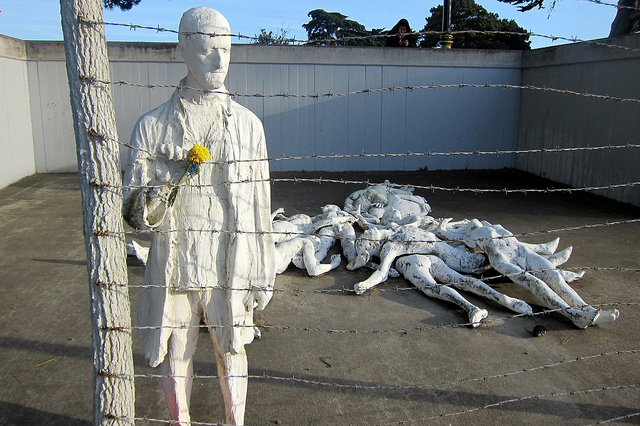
x=390, y=224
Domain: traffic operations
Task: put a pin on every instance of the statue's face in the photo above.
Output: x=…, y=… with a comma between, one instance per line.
x=207, y=57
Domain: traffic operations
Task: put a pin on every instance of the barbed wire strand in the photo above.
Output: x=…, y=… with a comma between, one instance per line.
x=159, y=29
x=401, y=331
x=458, y=413
x=518, y=399
x=364, y=154
x=615, y=419
x=106, y=233
x=381, y=387
x=617, y=6
x=93, y=80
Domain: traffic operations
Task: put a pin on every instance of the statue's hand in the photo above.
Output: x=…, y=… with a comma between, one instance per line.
x=257, y=298
x=173, y=152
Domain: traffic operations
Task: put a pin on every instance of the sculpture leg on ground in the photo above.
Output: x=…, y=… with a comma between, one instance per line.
x=421, y=271
x=408, y=240
x=523, y=265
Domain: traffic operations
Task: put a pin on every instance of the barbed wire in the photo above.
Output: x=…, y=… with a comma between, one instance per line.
x=617, y=6
x=401, y=331
x=519, y=399
x=94, y=134
x=344, y=290
x=159, y=29
x=94, y=80
x=432, y=188
x=381, y=387
x=615, y=419
x=106, y=233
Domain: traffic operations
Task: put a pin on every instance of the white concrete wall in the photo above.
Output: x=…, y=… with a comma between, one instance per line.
x=549, y=120
x=422, y=120
x=16, y=142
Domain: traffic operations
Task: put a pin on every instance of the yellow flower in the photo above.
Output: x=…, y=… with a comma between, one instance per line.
x=198, y=154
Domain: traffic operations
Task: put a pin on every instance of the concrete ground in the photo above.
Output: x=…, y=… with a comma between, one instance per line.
x=408, y=362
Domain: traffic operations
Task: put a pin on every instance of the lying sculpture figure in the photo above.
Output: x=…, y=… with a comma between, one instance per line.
x=431, y=275
x=305, y=241
x=533, y=266
x=389, y=244
x=385, y=204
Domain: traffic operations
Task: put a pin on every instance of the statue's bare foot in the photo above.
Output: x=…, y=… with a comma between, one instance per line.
x=476, y=315
x=570, y=276
x=335, y=261
x=360, y=288
x=583, y=319
x=519, y=306
x=606, y=317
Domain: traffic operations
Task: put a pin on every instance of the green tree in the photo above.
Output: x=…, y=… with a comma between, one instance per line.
x=279, y=38
x=330, y=29
x=466, y=15
x=122, y=4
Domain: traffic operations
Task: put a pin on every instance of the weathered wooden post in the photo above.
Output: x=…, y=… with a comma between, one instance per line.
x=101, y=182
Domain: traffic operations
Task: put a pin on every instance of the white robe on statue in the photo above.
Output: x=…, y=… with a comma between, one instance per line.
x=216, y=234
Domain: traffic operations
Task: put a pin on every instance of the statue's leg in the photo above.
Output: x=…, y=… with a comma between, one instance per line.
x=545, y=248
x=233, y=371
x=285, y=252
x=444, y=274
x=556, y=282
x=315, y=268
x=560, y=257
x=232, y=368
x=388, y=254
x=177, y=367
x=581, y=316
x=417, y=269
x=459, y=260
x=347, y=235
x=176, y=382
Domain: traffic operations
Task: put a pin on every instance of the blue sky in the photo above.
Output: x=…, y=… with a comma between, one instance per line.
x=40, y=19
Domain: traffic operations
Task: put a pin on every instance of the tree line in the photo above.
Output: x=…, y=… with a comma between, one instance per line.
x=334, y=29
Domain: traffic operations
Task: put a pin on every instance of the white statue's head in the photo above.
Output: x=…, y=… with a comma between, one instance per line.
x=207, y=57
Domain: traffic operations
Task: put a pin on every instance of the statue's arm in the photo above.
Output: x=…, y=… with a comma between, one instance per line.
x=144, y=196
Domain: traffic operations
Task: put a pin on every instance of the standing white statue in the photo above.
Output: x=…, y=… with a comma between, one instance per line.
x=212, y=257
